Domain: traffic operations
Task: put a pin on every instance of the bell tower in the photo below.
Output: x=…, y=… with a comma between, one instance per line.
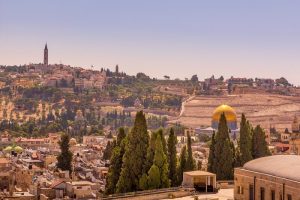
x=46, y=55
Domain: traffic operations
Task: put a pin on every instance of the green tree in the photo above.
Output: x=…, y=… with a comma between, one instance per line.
x=116, y=163
x=211, y=156
x=121, y=135
x=154, y=181
x=259, y=144
x=172, y=157
x=143, y=182
x=161, y=161
x=245, y=143
x=190, y=162
x=150, y=152
x=223, y=152
x=108, y=150
x=134, y=157
x=182, y=165
x=163, y=140
x=64, y=160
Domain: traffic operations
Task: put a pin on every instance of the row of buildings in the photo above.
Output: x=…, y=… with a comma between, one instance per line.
x=233, y=85
x=28, y=171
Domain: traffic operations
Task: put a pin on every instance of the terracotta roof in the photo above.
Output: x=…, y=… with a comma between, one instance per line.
x=56, y=183
x=4, y=161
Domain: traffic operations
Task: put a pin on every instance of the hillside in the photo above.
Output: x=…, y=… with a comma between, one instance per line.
x=264, y=109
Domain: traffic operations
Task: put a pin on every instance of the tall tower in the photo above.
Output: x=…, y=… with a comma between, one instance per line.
x=46, y=55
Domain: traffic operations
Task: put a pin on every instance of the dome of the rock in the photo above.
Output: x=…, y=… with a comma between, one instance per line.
x=230, y=115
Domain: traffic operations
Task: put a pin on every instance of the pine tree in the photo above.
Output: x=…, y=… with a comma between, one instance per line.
x=134, y=157
x=211, y=157
x=224, y=157
x=116, y=163
x=259, y=144
x=182, y=165
x=64, y=160
x=245, y=143
x=172, y=157
x=190, y=162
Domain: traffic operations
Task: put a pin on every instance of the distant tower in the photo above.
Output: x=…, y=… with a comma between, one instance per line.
x=117, y=69
x=46, y=55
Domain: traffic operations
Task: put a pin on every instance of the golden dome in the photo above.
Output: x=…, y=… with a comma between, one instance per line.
x=18, y=149
x=229, y=113
x=8, y=149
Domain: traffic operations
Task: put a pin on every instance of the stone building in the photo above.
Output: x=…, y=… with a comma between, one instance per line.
x=268, y=178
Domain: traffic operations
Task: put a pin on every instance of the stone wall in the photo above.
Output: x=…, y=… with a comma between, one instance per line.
x=268, y=183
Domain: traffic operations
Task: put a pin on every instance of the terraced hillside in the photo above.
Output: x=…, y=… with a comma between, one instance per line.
x=264, y=109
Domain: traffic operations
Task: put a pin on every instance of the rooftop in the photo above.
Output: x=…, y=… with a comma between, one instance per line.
x=284, y=166
x=78, y=183
x=4, y=161
x=199, y=173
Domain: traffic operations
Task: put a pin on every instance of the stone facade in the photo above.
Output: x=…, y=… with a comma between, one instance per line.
x=253, y=185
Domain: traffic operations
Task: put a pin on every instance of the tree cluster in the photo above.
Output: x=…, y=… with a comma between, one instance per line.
x=142, y=161
x=224, y=156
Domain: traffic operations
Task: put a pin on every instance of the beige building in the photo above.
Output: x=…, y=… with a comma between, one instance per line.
x=268, y=178
x=82, y=189
x=202, y=181
x=5, y=168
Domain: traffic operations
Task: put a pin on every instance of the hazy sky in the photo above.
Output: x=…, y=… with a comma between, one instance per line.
x=254, y=38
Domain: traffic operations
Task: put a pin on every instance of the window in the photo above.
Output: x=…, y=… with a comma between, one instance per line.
x=240, y=190
x=272, y=194
x=289, y=197
x=251, y=192
x=262, y=193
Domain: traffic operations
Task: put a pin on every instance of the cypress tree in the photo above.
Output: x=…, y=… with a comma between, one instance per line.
x=224, y=157
x=182, y=165
x=190, y=162
x=160, y=160
x=116, y=163
x=154, y=181
x=172, y=157
x=211, y=157
x=245, y=143
x=64, y=160
x=121, y=135
x=134, y=158
x=163, y=140
x=259, y=144
x=108, y=150
x=150, y=152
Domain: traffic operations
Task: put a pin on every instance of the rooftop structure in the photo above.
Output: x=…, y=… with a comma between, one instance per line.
x=271, y=177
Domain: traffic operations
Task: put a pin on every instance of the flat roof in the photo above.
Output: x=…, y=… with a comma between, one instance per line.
x=199, y=173
x=81, y=183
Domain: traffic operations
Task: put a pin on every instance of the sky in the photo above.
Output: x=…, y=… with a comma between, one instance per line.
x=241, y=38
